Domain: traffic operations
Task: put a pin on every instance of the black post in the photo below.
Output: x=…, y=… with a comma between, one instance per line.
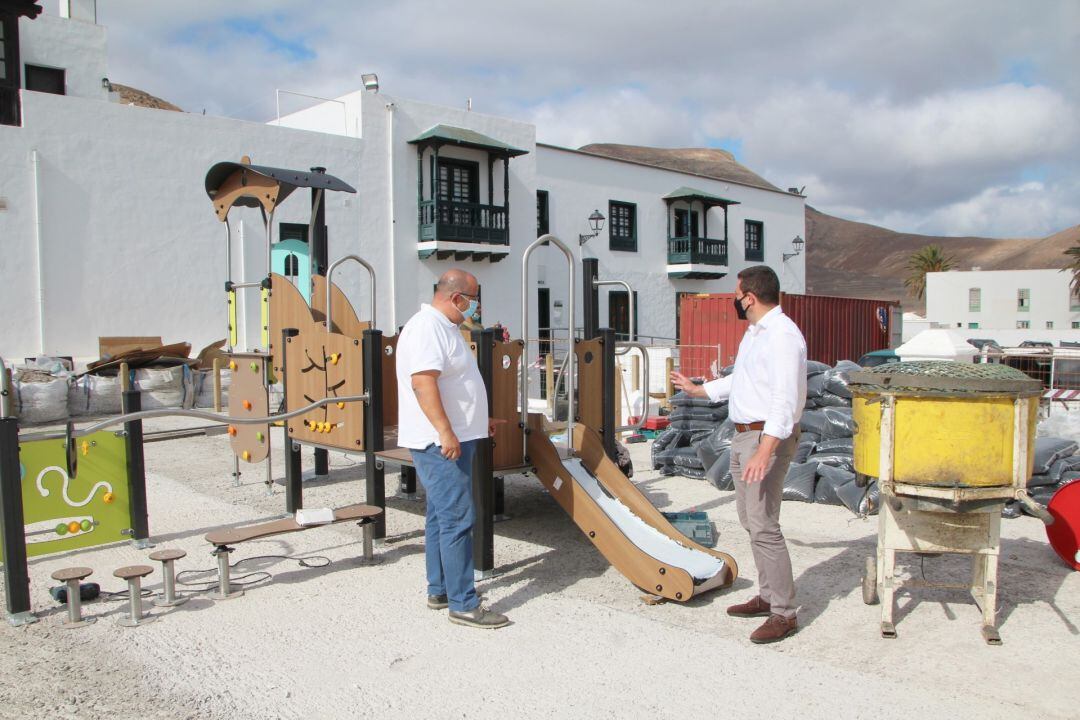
x=136, y=469
x=373, y=426
x=591, y=295
x=294, y=479
x=607, y=354
x=16, y=575
x=407, y=485
x=320, y=254
x=483, y=464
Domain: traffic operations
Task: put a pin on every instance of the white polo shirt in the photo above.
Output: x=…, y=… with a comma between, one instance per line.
x=429, y=341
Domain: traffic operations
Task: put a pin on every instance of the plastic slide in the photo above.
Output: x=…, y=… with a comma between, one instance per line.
x=623, y=525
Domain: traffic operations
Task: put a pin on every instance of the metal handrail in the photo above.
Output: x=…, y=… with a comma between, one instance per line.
x=632, y=334
x=201, y=415
x=523, y=386
x=330, y=287
x=645, y=384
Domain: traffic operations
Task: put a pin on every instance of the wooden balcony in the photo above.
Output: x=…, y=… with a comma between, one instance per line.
x=696, y=257
x=463, y=230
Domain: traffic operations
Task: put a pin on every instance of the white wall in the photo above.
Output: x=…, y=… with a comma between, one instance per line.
x=130, y=243
x=947, y=304
x=579, y=183
x=76, y=46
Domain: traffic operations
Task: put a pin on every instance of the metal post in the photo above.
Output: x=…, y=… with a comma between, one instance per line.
x=373, y=428
x=217, y=384
x=590, y=298
x=607, y=381
x=74, y=602
x=483, y=463
x=16, y=575
x=136, y=471
x=294, y=488
x=407, y=485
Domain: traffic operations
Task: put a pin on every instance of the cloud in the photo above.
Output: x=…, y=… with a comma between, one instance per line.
x=923, y=112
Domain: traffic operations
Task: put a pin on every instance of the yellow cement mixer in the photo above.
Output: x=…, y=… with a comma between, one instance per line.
x=948, y=444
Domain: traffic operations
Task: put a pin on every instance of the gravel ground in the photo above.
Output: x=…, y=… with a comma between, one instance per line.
x=346, y=640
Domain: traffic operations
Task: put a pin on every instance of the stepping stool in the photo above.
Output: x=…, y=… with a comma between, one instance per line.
x=134, y=575
x=168, y=558
x=71, y=577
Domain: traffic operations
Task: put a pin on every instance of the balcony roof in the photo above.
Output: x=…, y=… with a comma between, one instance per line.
x=689, y=193
x=462, y=137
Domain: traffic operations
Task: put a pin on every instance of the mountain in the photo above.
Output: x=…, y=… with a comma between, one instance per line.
x=710, y=162
x=134, y=96
x=853, y=259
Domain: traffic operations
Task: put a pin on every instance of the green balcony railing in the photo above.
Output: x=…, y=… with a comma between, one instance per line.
x=697, y=251
x=463, y=222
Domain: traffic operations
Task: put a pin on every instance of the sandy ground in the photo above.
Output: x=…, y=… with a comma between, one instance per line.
x=351, y=641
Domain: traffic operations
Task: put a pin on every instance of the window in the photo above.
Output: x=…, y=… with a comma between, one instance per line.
x=973, y=326
x=1049, y=324
x=1022, y=324
x=1023, y=299
x=292, y=265
x=622, y=226
x=292, y=231
x=686, y=224
x=619, y=314
x=1075, y=325
x=46, y=80
x=755, y=241
x=1074, y=301
x=974, y=299
x=457, y=184
x=542, y=213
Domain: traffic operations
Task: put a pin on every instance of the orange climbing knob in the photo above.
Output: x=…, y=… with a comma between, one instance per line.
x=107, y=498
x=232, y=431
x=74, y=527
x=246, y=455
x=247, y=404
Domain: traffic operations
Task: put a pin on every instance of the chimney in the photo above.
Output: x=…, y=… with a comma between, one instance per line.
x=85, y=10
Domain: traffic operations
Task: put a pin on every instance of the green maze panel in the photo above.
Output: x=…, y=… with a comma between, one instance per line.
x=64, y=514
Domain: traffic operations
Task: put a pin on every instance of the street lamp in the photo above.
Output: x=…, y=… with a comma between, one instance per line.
x=797, y=246
x=596, y=222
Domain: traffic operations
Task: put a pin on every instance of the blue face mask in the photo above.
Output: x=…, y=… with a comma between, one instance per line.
x=470, y=311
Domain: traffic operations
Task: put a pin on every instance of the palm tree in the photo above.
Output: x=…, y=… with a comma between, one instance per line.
x=1073, y=266
x=930, y=258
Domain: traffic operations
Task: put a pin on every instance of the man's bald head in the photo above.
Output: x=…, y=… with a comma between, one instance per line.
x=456, y=281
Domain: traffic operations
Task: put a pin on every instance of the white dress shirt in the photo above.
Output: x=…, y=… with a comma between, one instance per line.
x=769, y=381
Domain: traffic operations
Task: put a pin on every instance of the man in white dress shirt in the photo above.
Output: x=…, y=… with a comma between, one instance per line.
x=766, y=394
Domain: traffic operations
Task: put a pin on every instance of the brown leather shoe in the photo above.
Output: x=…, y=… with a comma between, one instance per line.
x=754, y=607
x=776, y=628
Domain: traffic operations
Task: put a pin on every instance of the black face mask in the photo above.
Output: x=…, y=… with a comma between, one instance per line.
x=740, y=311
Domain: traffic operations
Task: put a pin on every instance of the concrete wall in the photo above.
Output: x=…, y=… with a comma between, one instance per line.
x=76, y=46
x=578, y=183
x=129, y=242
x=947, y=304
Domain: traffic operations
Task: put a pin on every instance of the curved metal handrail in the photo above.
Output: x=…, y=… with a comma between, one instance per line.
x=330, y=287
x=630, y=304
x=645, y=380
x=570, y=365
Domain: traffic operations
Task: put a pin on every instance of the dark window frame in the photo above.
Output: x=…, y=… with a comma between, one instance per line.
x=754, y=251
x=621, y=242
x=44, y=71
x=473, y=169
x=543, y=218
x=686, y=216
x=621, y=295
x=292, y=231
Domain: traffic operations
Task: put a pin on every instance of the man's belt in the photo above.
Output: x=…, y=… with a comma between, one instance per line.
x=749, y=427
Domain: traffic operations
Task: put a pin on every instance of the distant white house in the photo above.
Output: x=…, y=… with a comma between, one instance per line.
x=108, y=231
x=1009, y=306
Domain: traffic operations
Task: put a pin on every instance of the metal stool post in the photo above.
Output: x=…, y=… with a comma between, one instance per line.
x=134, y=575
x=368, y=558
x=225, y=591
x=168, y=559
x=72, y=577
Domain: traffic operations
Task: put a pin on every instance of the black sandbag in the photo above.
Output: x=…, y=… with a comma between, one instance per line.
x=690, y=425
x=811, y=404
x=1069, y=477
x=717, y=441
x=809, y=437
x=829, y=399
x=813, y=367
x=687, y=457
x=720, y=471
x=830, y=479
x=802, y=452
x=815, y=385
x=1050, y=450
x=851, y=496
x=800, y=481
x=1063, y=465
x=666, y=438
x=838, y=423
x=699, y=436
x=836, y=379
x=871, y=502
x=1042, y=481
x=716, y=415
x=813, y=421
x=727, y=483
x=844, y=445
x=682, y=400
x=836, y=460
x=690, y=472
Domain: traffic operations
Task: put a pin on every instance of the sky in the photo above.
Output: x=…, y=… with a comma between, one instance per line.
x=957, y=117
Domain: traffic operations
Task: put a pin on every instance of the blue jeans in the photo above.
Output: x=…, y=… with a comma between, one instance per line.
x=448, y=530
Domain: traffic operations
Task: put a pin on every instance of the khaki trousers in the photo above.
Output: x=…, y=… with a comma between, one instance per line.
x=758, y=505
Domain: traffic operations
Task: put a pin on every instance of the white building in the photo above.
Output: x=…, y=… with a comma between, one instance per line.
x=108, y=231
x=1008, y=306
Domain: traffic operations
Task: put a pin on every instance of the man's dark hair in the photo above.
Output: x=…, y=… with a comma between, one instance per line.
x=762, y=281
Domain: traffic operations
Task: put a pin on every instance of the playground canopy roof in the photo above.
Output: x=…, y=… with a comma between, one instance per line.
x=288, y=180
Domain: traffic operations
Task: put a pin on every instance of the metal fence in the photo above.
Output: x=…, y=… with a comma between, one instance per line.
x=1058, y=369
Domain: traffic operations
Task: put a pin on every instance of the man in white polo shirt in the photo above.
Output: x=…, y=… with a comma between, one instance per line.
x=442, y=415
x=767, y=394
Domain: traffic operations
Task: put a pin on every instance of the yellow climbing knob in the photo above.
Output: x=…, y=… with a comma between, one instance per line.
x=232, y=365
x=341, y=406
x=254, y=367
x=329, y=427
x=311, y=424
x=108, y=498
x=334, y=357
x=85, y=447
x=246, y=455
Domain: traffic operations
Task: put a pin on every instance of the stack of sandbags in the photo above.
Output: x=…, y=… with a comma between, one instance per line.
x=40, y=396
x=94, y=395
x=674, y=451
x=169, y=387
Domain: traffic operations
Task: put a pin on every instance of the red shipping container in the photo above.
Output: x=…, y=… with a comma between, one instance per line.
x=835, y=328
